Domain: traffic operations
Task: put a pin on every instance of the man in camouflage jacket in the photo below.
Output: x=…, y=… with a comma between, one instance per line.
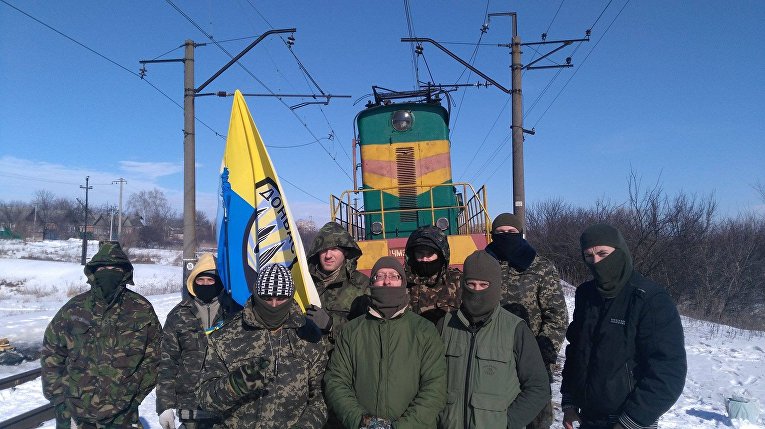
x=531, y=290
x=184, y=343
x=100, y=351
x=343, y=290
x=434, y=288
x=264, y=366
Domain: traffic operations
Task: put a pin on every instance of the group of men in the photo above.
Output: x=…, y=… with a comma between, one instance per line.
x=415, y=345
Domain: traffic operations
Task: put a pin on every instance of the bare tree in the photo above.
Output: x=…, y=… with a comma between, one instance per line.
x=43, y=202
x=156, y=212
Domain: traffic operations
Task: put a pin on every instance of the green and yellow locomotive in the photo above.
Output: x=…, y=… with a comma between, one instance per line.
x=406, y=176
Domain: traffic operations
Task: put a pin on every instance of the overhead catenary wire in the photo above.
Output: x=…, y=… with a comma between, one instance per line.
x=156, y=88
x=471, y=61
x=585, y=58
x=507, y=101
x=306, y=76
x=572, y=75
x=548, y=86
x=266, y=87
x=61, y=33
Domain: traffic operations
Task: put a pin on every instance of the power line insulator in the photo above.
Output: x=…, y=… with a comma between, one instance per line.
x=418, y=49
x=588, y=32
x=291, y=40
x=568, y=60
x=544, y=36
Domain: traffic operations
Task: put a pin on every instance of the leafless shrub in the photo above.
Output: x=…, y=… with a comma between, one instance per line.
x=76, y=289
x=712, y=267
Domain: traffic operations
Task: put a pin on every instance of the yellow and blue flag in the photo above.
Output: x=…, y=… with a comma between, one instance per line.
x=255, y=225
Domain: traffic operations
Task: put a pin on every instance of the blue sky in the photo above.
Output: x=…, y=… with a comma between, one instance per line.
x=670, y=90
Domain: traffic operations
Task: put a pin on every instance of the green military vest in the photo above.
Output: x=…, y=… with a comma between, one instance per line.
x=487, y=358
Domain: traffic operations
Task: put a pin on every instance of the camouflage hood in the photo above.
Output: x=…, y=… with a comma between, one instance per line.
x=110, y=253
x=434, y=238
x=334, y=235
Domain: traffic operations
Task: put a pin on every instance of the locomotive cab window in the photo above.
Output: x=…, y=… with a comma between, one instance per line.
x=402, y=120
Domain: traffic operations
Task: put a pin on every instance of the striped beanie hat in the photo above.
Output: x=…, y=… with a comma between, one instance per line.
x=275, y=280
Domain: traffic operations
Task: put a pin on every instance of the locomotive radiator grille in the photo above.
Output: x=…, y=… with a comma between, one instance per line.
x=406, y=172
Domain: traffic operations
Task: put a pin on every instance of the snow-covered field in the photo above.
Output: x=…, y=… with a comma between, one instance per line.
x=722, y=361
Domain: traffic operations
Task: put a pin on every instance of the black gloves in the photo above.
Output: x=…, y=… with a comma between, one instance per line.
x=250, y=376
x=320, y=317
x=549, y=352
x=373, y=422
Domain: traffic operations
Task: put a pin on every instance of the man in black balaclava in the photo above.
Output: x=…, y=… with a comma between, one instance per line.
x=492, y=357
x=434, y=287
x=184, y=342
x=387, y=369
x=531, y=290
x=625, y=363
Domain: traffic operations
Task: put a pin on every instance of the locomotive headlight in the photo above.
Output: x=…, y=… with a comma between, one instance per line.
x=402, y=120
x=376, y=228
x=442, y=223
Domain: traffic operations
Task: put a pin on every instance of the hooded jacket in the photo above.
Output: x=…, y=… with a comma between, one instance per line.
x=432, y=297
x=100, y=358
x=184, y=342
x=298, y=359
x=344, y=298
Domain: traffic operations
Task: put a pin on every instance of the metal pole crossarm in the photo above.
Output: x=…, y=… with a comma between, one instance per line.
x=559, y=66
x=458, y=59
x=547, y=42
x=175, y=60
x=241, y=54
x=563, y=45
x=314, y=96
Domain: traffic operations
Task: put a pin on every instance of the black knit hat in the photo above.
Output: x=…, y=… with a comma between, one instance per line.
x=507, y=219
x=601, y=234
x=275, y=280
x=389, y=262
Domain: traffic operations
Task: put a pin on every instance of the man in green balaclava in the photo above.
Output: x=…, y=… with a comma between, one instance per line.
x=625, y=363
x=101, y=350
x=495, y=372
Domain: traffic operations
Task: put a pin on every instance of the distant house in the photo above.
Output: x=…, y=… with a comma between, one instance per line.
x=106, y=225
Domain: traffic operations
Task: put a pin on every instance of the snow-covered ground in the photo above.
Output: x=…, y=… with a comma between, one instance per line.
x=722, y=361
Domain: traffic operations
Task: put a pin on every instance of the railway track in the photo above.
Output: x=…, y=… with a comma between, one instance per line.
x=32, y=418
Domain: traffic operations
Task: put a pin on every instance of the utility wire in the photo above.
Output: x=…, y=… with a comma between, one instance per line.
x=134, y=74
x=572, y=75
x=471, y=61
x=549, y=84
x=410, y=30
x=109, y=60
x=306, y=76
x=585, y=58
x=308, y=129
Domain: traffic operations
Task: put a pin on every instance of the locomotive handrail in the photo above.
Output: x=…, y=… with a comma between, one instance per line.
x=472, y=211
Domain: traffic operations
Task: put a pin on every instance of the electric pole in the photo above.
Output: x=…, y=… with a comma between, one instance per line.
x=121, y=181
x=85, y=226
x=189, y=171
x=516, y=95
